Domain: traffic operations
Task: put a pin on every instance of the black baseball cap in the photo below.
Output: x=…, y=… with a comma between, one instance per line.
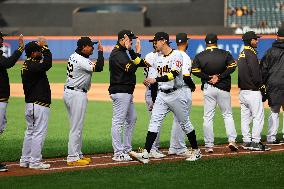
x=129, y=33
x=2, y=34
x=280, y=32
x=249, y=36
x=85, y=41
x=160, y=36
x=181, y=38
x=211, y=38
x=32, y=47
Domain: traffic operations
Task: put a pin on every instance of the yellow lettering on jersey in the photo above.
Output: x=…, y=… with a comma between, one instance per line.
x=242, y=55
x=163, y=70
x=250, y=48
x=127, y=67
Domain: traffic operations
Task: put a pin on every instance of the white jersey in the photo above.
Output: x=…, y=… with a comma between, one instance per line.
x=165, y=64
x=186, y=66
x=79, y=72
x=150, y=72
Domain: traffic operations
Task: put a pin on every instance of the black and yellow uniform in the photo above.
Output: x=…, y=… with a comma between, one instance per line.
x=249, y=73
x=35, y=82
x=6, y=63
x=214, y=61
x=122, y=70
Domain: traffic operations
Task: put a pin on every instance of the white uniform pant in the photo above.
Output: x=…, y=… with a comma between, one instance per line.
x=251, y=110
x=177, y=143
x=76, y=104
x=123, y=120
x=150, y=104
x=177, y=102
x=37, y=122
x=3, y=119
x=212, y=97
x=273, y=123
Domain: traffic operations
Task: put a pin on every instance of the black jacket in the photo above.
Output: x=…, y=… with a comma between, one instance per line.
x=249, y=73
x=214, y=61
x=35, y=82
x=122, y=71
x=6, y=63
x=272, y=67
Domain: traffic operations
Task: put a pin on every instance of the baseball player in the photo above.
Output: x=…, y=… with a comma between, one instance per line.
x=38, y=99
x=250, y=84
x=150, y=97
x=214, y=67
x=6, y=63
x=171, y=96
x=79, y=73
x=177, y=142
x=272, y=76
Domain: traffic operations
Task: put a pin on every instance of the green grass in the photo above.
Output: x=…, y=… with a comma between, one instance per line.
x=97, y=129
x=57, y=74
x=248, y=171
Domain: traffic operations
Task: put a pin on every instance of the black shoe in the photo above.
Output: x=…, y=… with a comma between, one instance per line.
x=259, y=147
x=275, y=142
x=3, y=167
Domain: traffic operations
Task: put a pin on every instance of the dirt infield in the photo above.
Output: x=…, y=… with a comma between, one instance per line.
x=99, y=92
x=105, y=161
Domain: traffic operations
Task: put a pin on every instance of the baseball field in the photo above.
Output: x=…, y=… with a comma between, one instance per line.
x=220, y=170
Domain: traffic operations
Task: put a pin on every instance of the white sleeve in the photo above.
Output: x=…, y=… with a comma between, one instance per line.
x=186, y=67
x=150, y=58
x=86, y=65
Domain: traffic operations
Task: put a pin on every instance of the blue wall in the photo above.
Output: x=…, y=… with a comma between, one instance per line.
x=62, y=49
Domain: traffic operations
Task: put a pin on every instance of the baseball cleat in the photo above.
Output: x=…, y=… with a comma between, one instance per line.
x=122, y=157
x=209, y=150
x=24, y=164
x=3, y=167
x=79, y=162
x=156, y=154
x=195, y=155
x=39, y=166
x=87, y=159
x=259, y=147
x=275, y=142
x=233, y=146
x=141, y=157
x=246, y=146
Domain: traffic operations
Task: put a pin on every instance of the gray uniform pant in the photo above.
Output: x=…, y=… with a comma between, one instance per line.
x=212, y=97
x=76, y=104
x=123, y=120
x=177, y=143
x=177, y=102
x=273, y=123
x=251, y=110
x=149, y=104
x=3, y=119
x=37, y=122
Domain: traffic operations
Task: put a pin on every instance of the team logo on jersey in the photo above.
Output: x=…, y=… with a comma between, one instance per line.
x=6, y=49
x=165, y=69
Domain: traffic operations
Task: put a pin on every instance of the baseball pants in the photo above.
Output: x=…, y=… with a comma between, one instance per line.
x=37, y=122
x=150, y=104
x=76, y=104
x=3, y=119
x=177, y=143
x=273, y=123
x=177, y=102
x=212, y=97
x=251, y=110
x=123, y=120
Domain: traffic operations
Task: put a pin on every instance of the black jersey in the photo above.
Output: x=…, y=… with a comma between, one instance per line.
x=35, y=82
x=214, y=61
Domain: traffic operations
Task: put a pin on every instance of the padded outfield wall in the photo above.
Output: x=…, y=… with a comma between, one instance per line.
x=62, y=47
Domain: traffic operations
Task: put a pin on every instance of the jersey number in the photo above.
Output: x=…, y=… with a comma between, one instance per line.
x=70, y=70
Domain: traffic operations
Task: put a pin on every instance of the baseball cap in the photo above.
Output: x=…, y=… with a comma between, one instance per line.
x=2, y=34
x=211, y=38
x=181, y=38
x=280, y=32
x=85, y=41
x=129, y=33
x=32, y=47
x=250, y=35
x=160, y=36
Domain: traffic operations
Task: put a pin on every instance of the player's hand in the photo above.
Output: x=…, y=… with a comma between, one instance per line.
x=214, y=79
x=138, y=45
x=100, y=46
x=149, y=81
x=41, y=41
x=127, y=42
x=21, y=41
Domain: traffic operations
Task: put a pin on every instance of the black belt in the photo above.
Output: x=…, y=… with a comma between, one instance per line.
x=76, y=89
x=168, y=90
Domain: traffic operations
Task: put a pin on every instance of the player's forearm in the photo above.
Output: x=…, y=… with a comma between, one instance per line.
x=170, y=76
x=47, y=59
x=11, y=61
x=227, y=72
x=100, y=62
x=137, y=60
